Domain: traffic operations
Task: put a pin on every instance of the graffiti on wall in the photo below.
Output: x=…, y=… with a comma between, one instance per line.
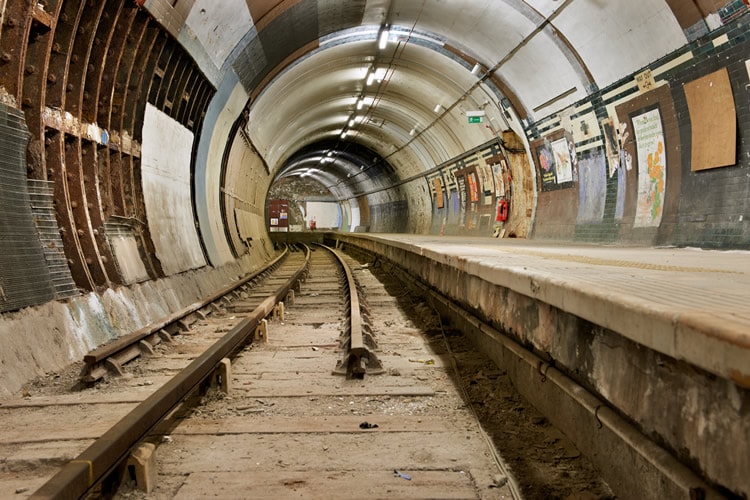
x=652, y=171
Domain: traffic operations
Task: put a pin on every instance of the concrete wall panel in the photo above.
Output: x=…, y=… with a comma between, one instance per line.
x=224, y=109
x=165, y=172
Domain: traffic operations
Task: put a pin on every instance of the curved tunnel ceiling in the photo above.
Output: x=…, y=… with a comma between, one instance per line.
x=305, y=65
x=293, y=72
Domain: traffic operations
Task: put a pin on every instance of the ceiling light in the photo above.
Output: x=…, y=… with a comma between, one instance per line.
x=383, y=42
x=438, y=108
x=377, y=74
x=413, y=131
x=476, y=69
x=343, y=134
x=352, y=122
x=360, y=104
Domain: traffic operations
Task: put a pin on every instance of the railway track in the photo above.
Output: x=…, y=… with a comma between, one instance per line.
x=354, y=390
x=87, y=434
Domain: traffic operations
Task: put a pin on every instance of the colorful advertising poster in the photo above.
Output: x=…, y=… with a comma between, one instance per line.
x=438, y=191
x=546, y=166
x=563, y=164
x=473, y=188
x=652, y=171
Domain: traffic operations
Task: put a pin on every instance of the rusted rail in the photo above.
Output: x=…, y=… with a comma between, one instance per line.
x=356, y=340
x=100, y=459
x=109, y=358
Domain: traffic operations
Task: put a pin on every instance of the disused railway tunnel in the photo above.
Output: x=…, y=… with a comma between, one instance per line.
x=529, y=159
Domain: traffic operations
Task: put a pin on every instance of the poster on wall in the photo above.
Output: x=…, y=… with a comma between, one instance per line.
x=611, y=145
x=473, y=188
x=438, y=192
x=547, y=166
x=652, y=171
x=461, y=183
x=497, y=171
x=563, y=163
x=485, y=177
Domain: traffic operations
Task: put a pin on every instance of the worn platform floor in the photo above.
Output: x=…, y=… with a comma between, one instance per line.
x=687, y=303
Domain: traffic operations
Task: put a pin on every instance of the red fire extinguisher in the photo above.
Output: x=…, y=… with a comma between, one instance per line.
x=502, y=210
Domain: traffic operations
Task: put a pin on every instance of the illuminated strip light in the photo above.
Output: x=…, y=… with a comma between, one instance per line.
x=383, y=41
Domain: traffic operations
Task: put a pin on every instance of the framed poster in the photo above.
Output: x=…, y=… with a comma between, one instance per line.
x=547, y=168
x=563, y=163
x=652, y=171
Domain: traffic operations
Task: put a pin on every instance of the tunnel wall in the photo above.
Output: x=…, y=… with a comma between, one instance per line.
x=589, y=179
x=594, y=181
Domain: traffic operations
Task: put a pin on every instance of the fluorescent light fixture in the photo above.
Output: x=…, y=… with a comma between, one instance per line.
x=330, y=153
x=413, y=131
x=352, y=122
x=383, y=42
x=475, y=70
x=377, y=74
x=343, y=134
x=365, y=101
x=438, y=108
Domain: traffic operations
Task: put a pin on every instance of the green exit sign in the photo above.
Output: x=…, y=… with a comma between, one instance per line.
x=475, y=119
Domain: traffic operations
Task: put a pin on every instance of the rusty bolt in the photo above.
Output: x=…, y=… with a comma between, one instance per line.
x=89, y=261
x=96, y=232
x=104, y=259
x=30, y=69
x=70, y=262
x=75, y=58
x=63, y=17
x=69, y=87
x=86, y=96
x=74, y=204
x=6, y=58
x=56, y=48
x=10, y=22
x=90, y=205
x=80, y=232
x=27, y=102
x=52, y=78
x=91, y=68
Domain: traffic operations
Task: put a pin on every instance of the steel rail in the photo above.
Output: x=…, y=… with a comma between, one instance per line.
x=94, y=464
x=359, y=357
x=130, y=346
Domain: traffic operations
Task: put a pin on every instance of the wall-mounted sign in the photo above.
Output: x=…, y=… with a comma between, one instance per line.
x=475, y=116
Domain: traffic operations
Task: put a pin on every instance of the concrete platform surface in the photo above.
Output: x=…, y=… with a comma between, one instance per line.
x=690, y=304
